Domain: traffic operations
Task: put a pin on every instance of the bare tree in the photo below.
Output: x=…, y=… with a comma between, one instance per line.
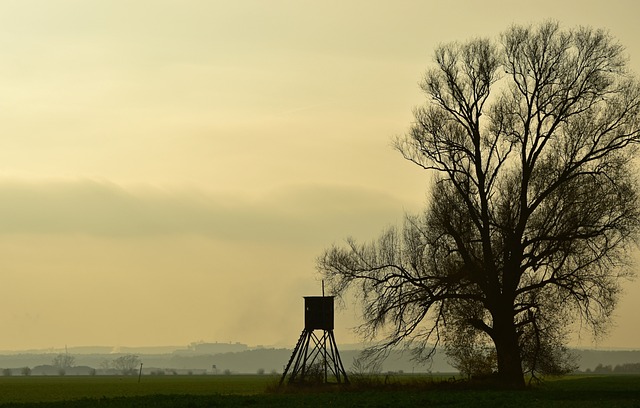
x=126, y=364
x=533, y=207
x=62, y=362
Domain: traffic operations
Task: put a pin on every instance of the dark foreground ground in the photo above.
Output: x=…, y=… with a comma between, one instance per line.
x=257, y=391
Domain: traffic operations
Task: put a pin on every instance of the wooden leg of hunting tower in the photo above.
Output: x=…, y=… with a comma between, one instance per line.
x=338, y=367
x=324, y=351
x=297, y=358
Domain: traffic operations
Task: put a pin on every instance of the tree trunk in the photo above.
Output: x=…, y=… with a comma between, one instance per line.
x=505, y=338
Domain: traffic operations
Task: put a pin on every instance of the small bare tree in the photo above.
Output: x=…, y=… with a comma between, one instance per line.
x=126, y=364
x=63, y=362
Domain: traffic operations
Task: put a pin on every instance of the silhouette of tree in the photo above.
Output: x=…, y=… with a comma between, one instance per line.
x=62, y=362
x=127, y=364
x=531, y=143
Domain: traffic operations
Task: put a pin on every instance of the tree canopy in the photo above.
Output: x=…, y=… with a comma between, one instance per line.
x=530, y=142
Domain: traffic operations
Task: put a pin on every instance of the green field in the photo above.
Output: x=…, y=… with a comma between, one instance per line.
x=49, y=389
x=252, y=390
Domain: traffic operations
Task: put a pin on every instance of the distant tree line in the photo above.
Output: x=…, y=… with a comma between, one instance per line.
x=126, y=364
x=627, y=368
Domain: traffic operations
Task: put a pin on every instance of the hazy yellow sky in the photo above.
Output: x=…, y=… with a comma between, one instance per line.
x=170, y=169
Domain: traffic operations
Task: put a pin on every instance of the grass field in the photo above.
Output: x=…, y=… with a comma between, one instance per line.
x=38, y=389
x=251, y=390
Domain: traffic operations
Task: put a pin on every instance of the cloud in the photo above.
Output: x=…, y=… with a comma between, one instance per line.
x=304, y=213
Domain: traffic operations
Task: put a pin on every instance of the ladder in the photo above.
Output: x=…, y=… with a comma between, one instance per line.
x=303, y=335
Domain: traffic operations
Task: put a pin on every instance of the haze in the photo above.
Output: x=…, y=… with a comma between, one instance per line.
x=169, y=170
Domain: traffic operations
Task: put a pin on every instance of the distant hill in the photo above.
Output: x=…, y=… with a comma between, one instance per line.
x=590, y=358
x=204, y=359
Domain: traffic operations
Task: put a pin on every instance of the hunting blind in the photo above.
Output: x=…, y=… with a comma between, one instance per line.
x=316, y=357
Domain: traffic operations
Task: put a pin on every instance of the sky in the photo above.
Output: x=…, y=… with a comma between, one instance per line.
x=171, y=169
